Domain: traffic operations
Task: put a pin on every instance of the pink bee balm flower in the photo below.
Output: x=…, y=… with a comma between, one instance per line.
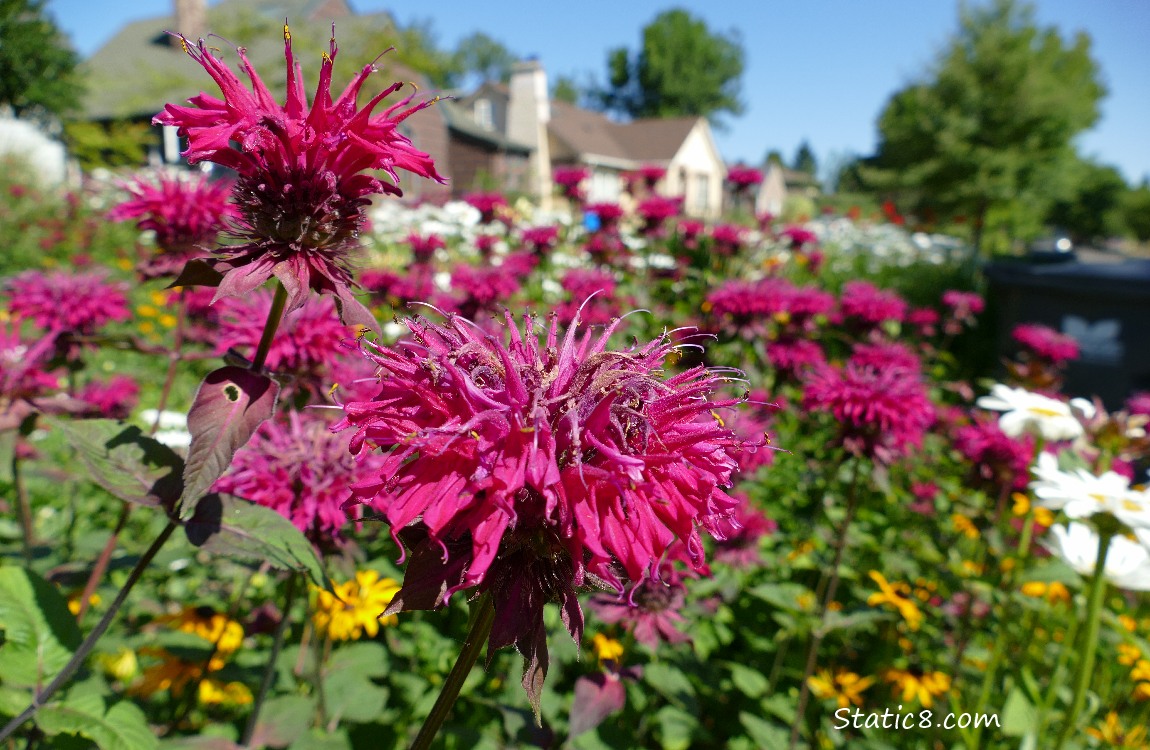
x=114, y=398
x=528, y=469
x=423, y=248
x=61, y=302
x=302, y=185
x=870, y=305
x=881, y=412
x=487, y=204
x=187, y=215
x=741, y=547
x=728, y=238
x=799, y=236
x=540, y=239
x=1046, y=343
x=580, y=284
x=24, y=366
x=301, y=470
x=743, y=177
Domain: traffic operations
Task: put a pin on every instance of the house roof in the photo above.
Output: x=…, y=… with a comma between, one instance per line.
x=460, y=122
x=590, y=133
x=140, y=70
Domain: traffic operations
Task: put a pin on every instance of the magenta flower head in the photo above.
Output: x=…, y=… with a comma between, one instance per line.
x=302, y=186
x=303, y=471
x=870, y=307
x=728, y=239
x=66, y=304
x=1045, y=344
x=655, y=210
x=423, y=248
x=743, y=177
x=529, y=469
x=881, y=412
x=186, y=215
x=487, y=204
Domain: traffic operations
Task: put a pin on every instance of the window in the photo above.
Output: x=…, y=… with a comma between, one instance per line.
x=702, y=192
x=482, y=113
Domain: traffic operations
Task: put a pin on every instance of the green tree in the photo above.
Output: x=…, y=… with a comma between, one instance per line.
x=1093, y=209
x=1136, y=211
x=566, y=89
x=37, y=65
x=989, y=131
x=805, y=160
x=682, y=68
x=484, y=56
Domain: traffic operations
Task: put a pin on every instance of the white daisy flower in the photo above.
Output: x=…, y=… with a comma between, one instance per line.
x=1127, y=563
x=1032, y=413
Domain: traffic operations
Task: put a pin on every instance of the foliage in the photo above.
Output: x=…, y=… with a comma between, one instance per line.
x=1136, y=211
x=566, y=89
x=1093, y=208
x=37, y=65
x=805, y=160
x=991, y=128
x=112, y=144
x=682, y=68
x=484, y=56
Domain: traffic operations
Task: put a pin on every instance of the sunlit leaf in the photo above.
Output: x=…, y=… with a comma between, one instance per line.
x=228, y=408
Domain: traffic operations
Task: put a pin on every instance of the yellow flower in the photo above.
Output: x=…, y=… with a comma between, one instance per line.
x=355, y=608
x=1111, y=732
x=706, y=307
x=159, y=299
x=147, y=327
x=74, y=602
x=1141, y=671
x=1021, y=504
x=1044, y=516
x=921, y=686
x=844, y=687
x=168, y=321
x=1058, y=593
x=1034, y=589
x=964, y=526
x=1142, y=692
x=147, y=311
x=215, y=628
x=607, y=649
x=171, y=674
x=1127, y=622
x=806, y=601
x=1128, y=654
x=804, y=548
x=887, y=595
x=215, y=693
x=121, y=665
x=971, y=568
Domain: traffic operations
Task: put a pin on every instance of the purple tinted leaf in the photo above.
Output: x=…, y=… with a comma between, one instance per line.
x=427, y=577
x=596, y=698
x=197, y=273
x=230, y=404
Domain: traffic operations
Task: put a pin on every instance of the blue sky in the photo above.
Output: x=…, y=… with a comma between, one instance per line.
x=819, y=70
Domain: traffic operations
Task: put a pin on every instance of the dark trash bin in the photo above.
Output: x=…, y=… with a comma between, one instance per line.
x=1104, y=306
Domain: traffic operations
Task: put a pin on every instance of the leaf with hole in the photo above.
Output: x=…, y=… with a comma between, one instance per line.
x=228, y=408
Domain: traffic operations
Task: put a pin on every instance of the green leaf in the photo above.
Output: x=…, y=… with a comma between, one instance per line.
x=124, y=461
x=784, y=596
x=676, y=727
x=750, y=682
x=317, y=739
x=40, y=634
x=229, y=406
x=82, y=712
x=670, y=682
x=282, y=720
x=351, y=696
x=1018, y=715
x=230, y=526
x=763, y=732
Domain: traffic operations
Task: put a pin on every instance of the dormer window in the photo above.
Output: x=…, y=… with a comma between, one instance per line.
x=482, y=113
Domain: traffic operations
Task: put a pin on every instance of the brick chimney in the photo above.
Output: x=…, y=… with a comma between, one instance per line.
x=191, y=19
x=528, y=112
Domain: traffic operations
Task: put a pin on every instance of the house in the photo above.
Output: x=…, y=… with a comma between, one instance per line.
x=143, y=67
x=562, y=134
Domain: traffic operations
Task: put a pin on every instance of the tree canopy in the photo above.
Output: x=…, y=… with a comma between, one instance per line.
x=682, y=68
x=484, y=56
x=37, y=64
x=805, y=160
x=989, y=132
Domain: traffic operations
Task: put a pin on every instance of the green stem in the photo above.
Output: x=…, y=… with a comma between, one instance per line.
x=825, y=603
x=270, y=669
x=174, y=358
x=1085, y=669
x=483, y=617
x=270, y=326
x=89, y=643
x=23, y=506
x=102, y=562
x=1058, y=677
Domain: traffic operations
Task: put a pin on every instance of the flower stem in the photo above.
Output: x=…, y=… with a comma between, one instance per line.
x=273, y=657
x=89, y=643
x=1057, y=678
x=23, y=506
x=175, y=356
x=270, y=326
x=825, y=602
x=482, y=618
x=1085, y=669
x=101, y=565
